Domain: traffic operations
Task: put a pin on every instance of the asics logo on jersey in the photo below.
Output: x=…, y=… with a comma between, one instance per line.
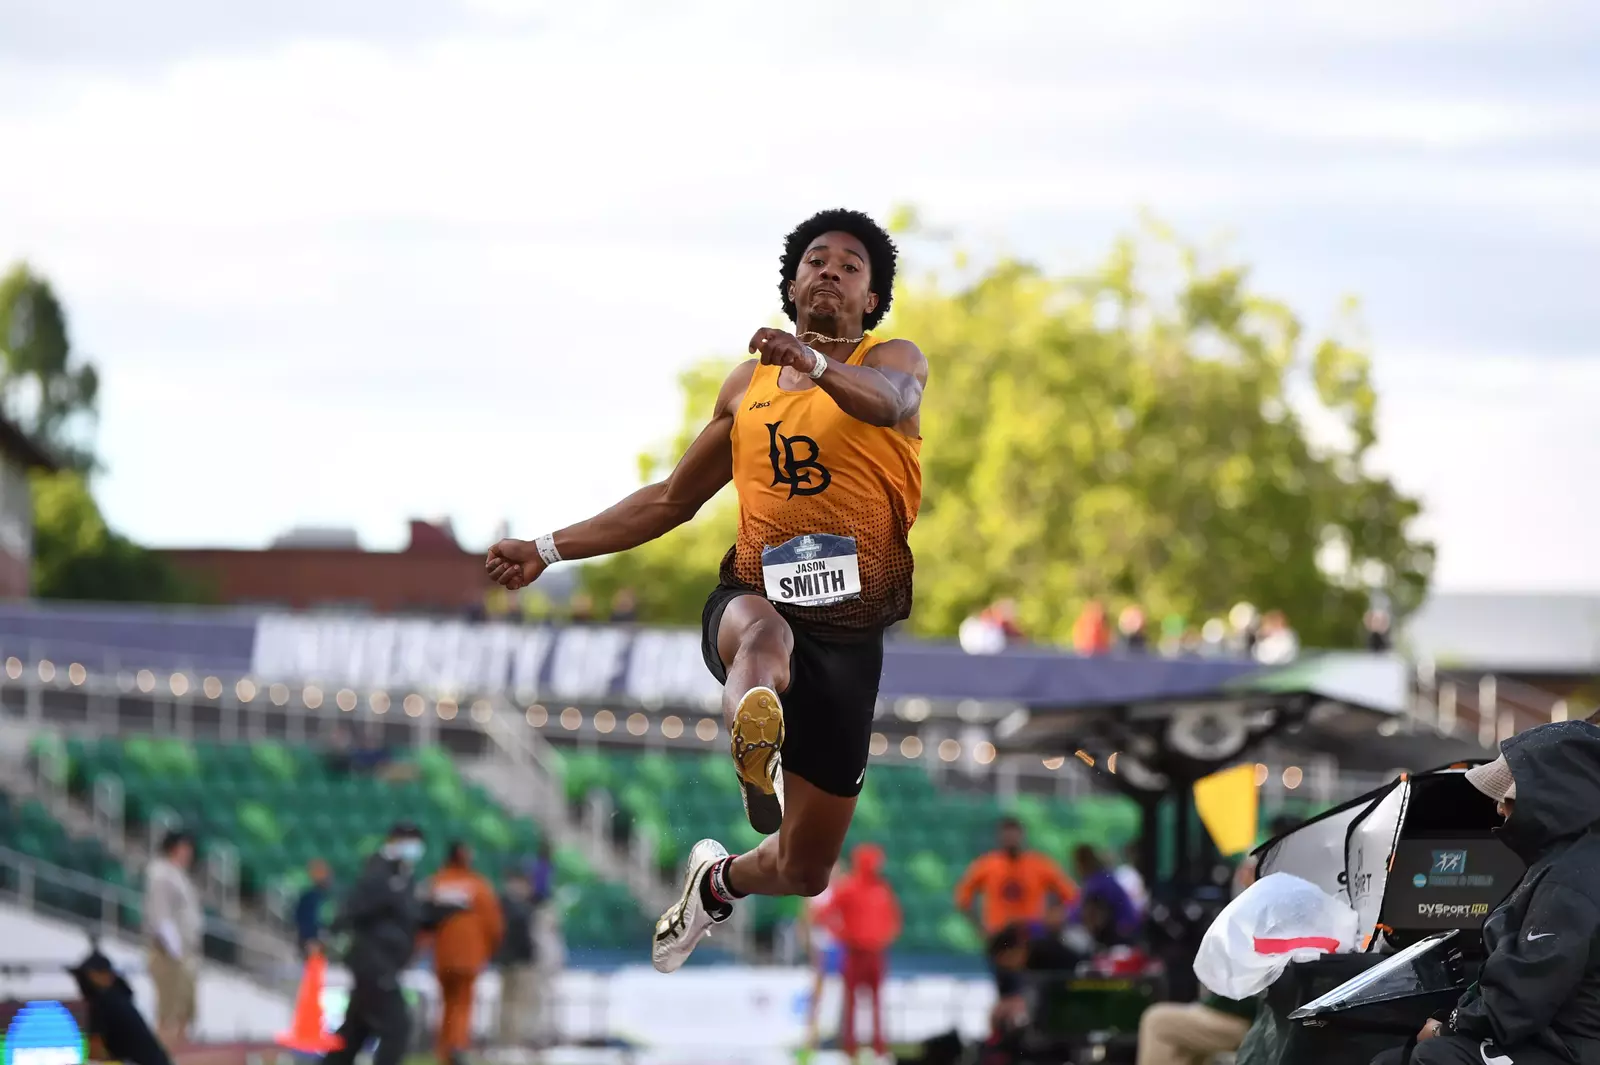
x=795, y=463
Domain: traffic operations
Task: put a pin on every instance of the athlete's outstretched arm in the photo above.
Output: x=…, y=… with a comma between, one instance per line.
x=652, y=511
x=886, y=390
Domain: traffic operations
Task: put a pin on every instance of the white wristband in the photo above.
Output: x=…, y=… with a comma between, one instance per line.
x=821, y=363
x=546, y=546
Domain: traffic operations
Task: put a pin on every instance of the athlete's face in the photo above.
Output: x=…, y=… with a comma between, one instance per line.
x=833, y=280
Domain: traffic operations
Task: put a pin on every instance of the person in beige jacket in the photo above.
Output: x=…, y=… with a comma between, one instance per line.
x=174, y=928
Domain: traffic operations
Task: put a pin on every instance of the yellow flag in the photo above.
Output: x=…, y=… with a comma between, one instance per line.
x=1227, y=804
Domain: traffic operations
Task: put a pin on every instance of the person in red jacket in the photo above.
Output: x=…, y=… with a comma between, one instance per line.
x=864, y=916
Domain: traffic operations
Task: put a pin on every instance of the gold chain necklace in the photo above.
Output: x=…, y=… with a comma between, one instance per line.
x=812, y=337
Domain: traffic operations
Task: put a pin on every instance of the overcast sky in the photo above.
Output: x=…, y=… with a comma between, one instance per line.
x=344, y=262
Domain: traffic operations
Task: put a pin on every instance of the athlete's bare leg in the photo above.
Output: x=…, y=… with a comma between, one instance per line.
x=755, y=644
x=798, y=860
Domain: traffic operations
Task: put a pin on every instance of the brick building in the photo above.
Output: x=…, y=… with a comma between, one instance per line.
x=432, y=575
x=18, y=455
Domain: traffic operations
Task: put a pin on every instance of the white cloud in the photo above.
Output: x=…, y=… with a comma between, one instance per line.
x=460, y=272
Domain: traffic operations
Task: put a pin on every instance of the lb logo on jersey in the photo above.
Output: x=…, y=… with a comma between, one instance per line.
x=796, y=463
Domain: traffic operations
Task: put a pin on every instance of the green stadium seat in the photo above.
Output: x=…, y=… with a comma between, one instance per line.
x=274, y=760
x=258, y=820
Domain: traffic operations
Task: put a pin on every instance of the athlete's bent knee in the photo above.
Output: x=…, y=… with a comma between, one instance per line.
x=805, y=877
x=767, y=643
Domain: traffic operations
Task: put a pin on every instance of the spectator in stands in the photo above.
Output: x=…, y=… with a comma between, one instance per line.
x=1127, y=874
x=1130, y=627
x=541, y=873
x=1277, y=643
x=624, y=607
x=1015, y=883
x=309, y=909
x=1377, y=626
x=1091, y=633
x=463, y=945
x=174, y=925
x=864, y=916
x=992, y=630
x=1244, y=623
x=1097, y=881
x=116, y=1030
x=348, y=753
x=580, y=609
x=515, y=959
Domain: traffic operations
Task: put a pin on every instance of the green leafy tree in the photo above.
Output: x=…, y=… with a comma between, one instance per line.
x=672, y=576
x=51, y=395
x=48, y=392
x=75, y=556
x=1153, y=431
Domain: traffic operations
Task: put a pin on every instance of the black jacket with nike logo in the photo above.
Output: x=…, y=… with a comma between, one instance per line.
x=1540, y=985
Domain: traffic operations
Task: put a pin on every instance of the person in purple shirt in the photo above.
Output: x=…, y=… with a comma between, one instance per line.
x=1097, y=880
x=540, y=871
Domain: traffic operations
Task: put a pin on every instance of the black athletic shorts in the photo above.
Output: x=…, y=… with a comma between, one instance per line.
x=827, y=710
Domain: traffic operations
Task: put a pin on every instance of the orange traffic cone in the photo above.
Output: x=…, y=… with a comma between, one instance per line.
x=306, y=1033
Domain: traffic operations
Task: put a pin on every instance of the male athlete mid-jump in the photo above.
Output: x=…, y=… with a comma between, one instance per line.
x=820, y=435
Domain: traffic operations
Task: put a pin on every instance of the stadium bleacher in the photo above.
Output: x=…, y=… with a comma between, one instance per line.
x=928, y=834
x=27, y=827
x=281, y=805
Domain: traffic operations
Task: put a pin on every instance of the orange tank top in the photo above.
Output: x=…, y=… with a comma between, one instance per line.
x=825, y=505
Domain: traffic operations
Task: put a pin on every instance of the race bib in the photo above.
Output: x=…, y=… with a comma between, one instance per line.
x=812, y=570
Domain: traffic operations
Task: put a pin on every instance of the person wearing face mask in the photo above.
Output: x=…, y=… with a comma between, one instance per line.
x=1537, y=999
x=381, y=915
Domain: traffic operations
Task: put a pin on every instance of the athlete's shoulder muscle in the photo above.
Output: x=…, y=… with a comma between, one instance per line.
x=734, y=386
x=708, y=463
x=905, y=368
x=899, y=355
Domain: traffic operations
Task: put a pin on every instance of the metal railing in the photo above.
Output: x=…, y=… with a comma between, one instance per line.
x=109, y=911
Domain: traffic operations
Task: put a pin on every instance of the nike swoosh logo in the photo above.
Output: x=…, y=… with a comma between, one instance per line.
x=1493, y=1059
x=863, y=776
x=1541, y=935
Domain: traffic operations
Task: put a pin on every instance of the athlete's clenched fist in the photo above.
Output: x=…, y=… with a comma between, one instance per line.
x=778, y=348
x=514, y=564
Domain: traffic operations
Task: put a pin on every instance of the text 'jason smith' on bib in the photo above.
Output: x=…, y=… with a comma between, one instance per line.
x=812, y=570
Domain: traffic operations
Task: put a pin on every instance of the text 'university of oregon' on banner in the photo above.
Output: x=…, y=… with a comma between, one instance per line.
x=651, y=666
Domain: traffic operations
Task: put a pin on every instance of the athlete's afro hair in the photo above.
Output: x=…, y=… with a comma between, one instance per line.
x=881, y=255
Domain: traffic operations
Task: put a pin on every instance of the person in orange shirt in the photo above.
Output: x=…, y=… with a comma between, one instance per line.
x=1015, y=883
x=462, y=946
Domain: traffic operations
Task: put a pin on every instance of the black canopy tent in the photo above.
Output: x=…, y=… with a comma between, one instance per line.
x=1351, y=706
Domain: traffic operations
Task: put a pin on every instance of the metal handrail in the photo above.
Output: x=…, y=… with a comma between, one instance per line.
x=260, y=954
